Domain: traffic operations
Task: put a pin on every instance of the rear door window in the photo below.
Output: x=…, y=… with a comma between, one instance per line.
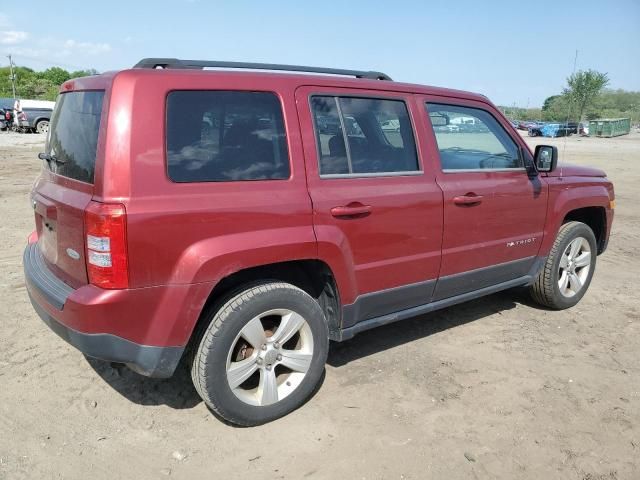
x=363, y=136
x=73, y=135
x=218, y=136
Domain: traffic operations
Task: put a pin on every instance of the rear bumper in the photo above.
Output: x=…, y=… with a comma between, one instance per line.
x=147, y=360
x=145, y=328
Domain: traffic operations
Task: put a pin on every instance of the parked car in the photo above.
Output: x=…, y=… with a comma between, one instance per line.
x=557, y=130
x=37, y=119
x=36, y=113
x=572, y=127
x=390, y=125
x=5, y=119
x=535, y=130
x=8, y=123
x=246, y=246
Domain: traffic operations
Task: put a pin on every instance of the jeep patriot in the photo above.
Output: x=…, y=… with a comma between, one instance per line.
x=240, y=220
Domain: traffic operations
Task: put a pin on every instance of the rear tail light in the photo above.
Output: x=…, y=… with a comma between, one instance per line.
x=106, y=237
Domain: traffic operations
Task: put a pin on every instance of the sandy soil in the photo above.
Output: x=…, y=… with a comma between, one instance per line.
x=495, y=388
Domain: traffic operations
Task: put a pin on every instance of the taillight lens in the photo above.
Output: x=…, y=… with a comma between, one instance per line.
x=106, y=244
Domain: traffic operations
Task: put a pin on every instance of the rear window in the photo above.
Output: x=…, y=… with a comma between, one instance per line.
x=73, y=136
x=218, y=136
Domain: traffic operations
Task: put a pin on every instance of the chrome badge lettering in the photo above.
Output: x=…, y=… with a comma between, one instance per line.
x=73, y=254
x=520, y=243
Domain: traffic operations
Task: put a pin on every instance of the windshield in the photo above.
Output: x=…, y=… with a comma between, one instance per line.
x=73, y=136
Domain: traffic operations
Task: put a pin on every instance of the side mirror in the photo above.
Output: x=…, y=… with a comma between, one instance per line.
x=546, y=158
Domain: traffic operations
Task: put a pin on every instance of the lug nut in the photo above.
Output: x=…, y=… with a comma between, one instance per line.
x=279, y=357
x=268, y=367
x=277, y=345
x=259, y=361
x=264, y=347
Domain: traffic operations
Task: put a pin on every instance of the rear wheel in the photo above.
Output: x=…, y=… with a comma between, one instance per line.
x=569, y=268
x=42, y=126
x=262, y=354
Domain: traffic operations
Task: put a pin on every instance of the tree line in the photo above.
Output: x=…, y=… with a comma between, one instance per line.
x=584, y=98
x=35, y=85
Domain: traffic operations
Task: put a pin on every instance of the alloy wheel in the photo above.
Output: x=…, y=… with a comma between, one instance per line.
x=574, y=267
x=270, y=357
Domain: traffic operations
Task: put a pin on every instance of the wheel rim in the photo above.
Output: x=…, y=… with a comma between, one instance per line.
x=43, y=127
x=575, y=264
x=270, y=357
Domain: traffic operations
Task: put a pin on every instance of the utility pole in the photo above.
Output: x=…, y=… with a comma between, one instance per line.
x=13, y=77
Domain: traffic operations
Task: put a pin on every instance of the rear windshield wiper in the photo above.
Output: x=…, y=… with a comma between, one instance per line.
x=50, y=158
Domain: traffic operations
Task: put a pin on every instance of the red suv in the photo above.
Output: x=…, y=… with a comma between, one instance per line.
x=242, y=220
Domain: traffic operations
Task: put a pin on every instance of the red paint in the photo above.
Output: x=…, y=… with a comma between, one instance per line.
x=374, y=233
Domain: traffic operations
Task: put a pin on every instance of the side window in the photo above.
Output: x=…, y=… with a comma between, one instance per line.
x=218, y=136
x=363, y=136
x=472, y=139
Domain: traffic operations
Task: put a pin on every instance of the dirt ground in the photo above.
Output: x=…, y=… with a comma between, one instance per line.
x=494, y=388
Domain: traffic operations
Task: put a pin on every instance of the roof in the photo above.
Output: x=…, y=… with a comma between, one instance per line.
x=293, y=80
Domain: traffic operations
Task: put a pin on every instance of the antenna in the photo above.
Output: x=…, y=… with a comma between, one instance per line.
x=564, y=144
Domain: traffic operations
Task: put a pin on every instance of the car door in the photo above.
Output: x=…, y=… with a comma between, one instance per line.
x=494, y=211
x=377, y=213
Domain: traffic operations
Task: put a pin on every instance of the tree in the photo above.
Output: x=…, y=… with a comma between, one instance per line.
x=55, y=75
x=583, y=87
x=37, y=85
x=548, y=102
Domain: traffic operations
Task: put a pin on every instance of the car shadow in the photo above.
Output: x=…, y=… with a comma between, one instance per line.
x=392, y=335
x=178, y=391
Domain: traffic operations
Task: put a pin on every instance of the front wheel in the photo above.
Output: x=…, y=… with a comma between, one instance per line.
x=568, y=271
x=262, y=354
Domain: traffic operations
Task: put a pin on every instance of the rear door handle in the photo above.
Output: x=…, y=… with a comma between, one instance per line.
x=468, y=199
x=351, y=210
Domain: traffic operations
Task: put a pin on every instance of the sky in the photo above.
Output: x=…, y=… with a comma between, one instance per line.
x=515, y=52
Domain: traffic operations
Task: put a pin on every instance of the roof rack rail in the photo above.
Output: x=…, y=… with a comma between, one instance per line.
x=200, y=64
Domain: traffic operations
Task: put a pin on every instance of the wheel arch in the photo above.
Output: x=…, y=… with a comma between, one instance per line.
x=587, y=203
x=313, y=276
x=594, y=217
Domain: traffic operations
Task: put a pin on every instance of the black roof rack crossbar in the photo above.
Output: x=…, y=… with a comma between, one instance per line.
x=200, y=64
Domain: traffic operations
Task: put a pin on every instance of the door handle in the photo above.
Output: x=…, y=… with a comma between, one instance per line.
x=468, y=199
x=351, y=210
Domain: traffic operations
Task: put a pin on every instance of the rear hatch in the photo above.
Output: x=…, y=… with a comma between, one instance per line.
x=65, y=187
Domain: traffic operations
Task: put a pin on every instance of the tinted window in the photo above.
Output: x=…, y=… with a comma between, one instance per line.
x=224, y=136
x=73, y=136
x=363, y=136
x=472, y=139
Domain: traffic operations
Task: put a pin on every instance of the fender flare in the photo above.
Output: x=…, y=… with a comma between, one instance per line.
x=562, y=202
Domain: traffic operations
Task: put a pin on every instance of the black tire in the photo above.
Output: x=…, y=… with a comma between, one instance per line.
x=223, y=326
x=545, y=290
